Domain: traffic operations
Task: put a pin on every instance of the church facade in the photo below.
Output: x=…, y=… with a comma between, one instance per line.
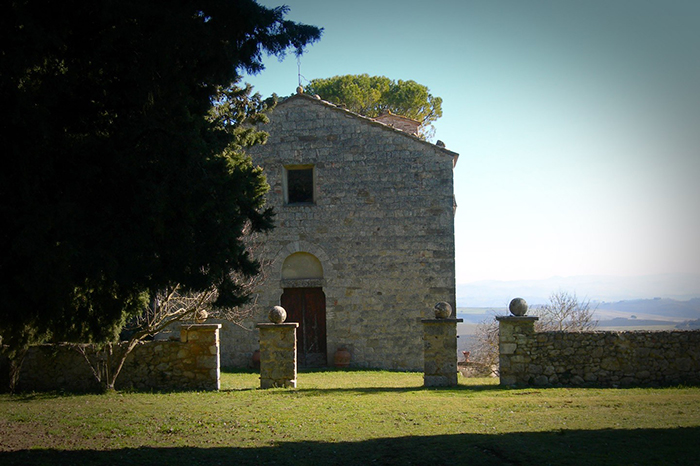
x=364, y=241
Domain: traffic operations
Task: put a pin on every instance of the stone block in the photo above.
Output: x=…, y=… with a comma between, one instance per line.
x=520, y=358
x=207, y=362
x=683, y=364
x=576, y=380
x=430, y=366
x=439, y=380
x=610, y=364
x=508, y=380
x=508, y=348
x=541, y=380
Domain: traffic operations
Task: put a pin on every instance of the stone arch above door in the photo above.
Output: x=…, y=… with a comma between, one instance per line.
x=302, y=267
x=308, y=248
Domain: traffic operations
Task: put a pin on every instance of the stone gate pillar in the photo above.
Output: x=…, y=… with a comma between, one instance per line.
x=513, y=332
x=203, y=370
x=440, y=348
x=278, y=351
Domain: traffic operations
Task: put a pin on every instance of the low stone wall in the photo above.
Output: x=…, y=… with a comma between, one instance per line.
x=597, y=358
x=192, y=363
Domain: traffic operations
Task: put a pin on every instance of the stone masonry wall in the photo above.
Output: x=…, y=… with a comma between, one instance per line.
x=382, y=225
x=189, y=364
x=599, y=358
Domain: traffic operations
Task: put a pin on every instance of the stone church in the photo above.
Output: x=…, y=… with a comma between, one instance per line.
x=364, y=241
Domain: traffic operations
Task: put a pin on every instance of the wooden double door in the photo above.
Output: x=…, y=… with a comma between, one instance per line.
x=307, y=307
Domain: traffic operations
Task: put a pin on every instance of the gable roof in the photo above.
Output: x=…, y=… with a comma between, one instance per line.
x=406, y=124
x=318, y=101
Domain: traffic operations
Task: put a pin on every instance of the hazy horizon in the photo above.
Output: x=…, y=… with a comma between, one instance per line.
x=498, y=293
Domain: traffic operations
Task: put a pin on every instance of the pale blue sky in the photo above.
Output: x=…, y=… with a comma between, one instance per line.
x=577, y=122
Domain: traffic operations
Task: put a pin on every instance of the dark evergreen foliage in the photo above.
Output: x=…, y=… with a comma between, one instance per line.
x=119, y=176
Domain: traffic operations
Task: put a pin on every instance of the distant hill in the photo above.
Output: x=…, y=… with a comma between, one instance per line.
x=621, y=322
x=654, y=307
x=489, y=293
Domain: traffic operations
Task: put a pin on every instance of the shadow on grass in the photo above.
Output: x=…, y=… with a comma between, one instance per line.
x=374, y=390
x=331, y=371
x=318, y=391
x=566, y=447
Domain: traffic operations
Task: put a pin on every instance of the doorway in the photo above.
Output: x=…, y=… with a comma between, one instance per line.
x=307, y=307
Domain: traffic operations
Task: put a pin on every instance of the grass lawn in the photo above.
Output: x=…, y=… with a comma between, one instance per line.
x=355, y=417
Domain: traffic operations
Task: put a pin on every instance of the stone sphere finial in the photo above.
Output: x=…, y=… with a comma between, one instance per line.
x=200, y=316
x=300, y=90
x=277, y=315
x=443, y=310
x=518, y=307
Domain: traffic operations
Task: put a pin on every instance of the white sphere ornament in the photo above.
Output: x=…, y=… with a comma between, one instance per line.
x=443, y=310
x=518, y=307
x=277, y=315
x=200, y=316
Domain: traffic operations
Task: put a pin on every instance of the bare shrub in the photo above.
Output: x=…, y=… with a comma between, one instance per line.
x=566, y=313
x=485, y=350
x=169, y=307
